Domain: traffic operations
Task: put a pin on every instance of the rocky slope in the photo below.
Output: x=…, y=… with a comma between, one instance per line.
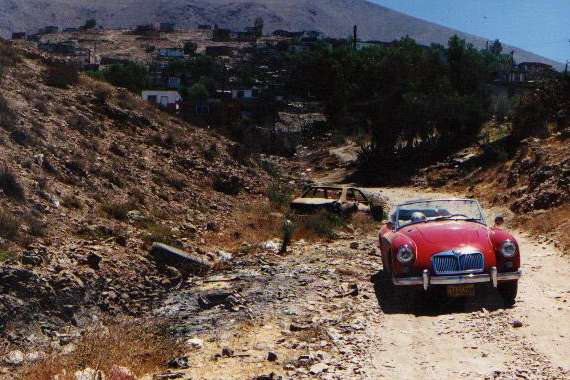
x=333, y=17
x=533, y=184
x=89, y=177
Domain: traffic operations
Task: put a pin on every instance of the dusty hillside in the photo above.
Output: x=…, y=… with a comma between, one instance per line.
x=533, y=184
x=333, y=17
x=89, y=177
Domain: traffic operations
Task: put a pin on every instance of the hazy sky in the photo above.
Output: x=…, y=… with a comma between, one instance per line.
x=541, y=26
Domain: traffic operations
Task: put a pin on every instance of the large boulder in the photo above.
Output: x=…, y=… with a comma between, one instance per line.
x=170, y=256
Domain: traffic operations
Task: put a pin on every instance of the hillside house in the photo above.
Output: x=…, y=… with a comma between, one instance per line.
x=171, y=53
x=51, y=29
x=19, y=36
x=166, y=99
x=246, y=94
x=65, y=47
x=535, y=71
x=167, y=27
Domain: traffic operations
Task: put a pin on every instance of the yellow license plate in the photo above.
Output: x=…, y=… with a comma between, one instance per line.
x=460, y=290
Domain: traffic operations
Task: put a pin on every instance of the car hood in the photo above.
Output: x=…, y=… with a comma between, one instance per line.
x=313, y=201
x=434, y=237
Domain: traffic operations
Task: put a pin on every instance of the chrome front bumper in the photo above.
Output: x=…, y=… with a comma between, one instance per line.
x=493, y=277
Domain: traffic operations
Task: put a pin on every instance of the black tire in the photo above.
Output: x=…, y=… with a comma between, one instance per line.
x=508, y=291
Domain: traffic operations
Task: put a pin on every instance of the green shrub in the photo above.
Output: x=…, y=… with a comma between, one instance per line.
x=10, y=184
x=118, y=210
x=37, y=227
x=6, y=256
x=7, y=116
x=270, y=167
x=230, y=186
x=280, y=195
x=72, y=201
x=160, y=234
x=62, y=76
x=323, y=223
x=9, y=225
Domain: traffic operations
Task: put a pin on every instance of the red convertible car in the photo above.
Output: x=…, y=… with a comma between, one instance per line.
x=446, y=242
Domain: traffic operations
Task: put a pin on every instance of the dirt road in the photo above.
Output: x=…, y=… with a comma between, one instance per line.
x=323, y=315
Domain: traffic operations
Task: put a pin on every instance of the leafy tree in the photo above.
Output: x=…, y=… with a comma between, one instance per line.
x=90, y=24
x=190, y=48
x=496, y=47
x=258, y=24
x=132, y=76
x=198, y=92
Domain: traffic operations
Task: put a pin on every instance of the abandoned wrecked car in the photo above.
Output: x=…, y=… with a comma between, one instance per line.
x=338, y=199
x=446, y=242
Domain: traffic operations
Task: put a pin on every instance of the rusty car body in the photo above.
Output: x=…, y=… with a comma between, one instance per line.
x=343, y=200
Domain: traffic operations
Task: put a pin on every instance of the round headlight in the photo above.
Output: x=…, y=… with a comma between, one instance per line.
x=405, y=254
x=508, y=249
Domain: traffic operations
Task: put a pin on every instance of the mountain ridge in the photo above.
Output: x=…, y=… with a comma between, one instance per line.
x=335, y=18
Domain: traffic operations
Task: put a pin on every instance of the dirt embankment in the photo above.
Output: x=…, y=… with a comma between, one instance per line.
x=90, y=176
x=532, y=187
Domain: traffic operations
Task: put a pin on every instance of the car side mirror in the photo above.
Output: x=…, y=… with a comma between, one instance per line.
x=499, y=220
x=389, y=224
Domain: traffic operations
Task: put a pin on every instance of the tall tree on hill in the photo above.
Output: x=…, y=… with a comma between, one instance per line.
x=258, y=24
x=496, y=47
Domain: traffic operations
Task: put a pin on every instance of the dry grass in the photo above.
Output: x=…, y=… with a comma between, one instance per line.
x=262, y=221
x=140, y=347
x=553, y=223
x=254, y=223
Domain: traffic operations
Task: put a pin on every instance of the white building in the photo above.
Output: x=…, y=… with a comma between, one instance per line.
x=166, y=99
x=250, y=93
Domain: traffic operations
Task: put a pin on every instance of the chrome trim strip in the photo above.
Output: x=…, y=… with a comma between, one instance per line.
x=455, y=280
x=425, y=279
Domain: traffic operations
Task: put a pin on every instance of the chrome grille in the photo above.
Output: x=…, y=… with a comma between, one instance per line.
x=454, y=262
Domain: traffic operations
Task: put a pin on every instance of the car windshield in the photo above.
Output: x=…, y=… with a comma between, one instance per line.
x=436, y=210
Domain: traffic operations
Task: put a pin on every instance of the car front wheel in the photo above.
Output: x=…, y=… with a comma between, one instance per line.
x=508, y=291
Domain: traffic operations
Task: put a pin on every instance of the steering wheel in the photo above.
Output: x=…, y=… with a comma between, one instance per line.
x=454, y=215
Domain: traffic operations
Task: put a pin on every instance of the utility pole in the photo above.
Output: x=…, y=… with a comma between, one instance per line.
x=355, y=37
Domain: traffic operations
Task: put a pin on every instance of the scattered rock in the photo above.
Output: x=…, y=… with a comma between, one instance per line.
x=14, y=358
x=135, y=216
x=195, y=343
x=213, y=298
x=227, y=352
x=34, y=356
x=271, y=376
x=318, y=368
x=93, y=260
x=32, y=257
x=92, y=374
x=212, y=226
x=121, y=373
x=517, y=323
x=179, y=363
x=271, y=356
x=354, y=245
x=168, y=375
x=299, y=327
x=167, y=255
